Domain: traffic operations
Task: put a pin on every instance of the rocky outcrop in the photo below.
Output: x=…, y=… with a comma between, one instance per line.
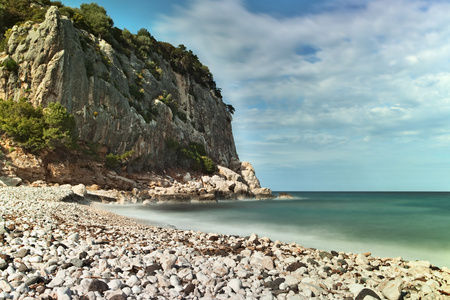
x=115, y=98
x=120, y=104
x=143, y=187
x=225, y=185
x=249, y=175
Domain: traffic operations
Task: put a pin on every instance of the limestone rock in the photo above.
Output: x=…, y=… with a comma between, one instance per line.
x=392, y=290
x=229, y=174
x=80, y=190
x=248, y=173
x=60, y=63
x=10, y=181
x=262, y=193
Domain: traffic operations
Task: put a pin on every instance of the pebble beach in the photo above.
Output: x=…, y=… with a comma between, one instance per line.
x=55, y=244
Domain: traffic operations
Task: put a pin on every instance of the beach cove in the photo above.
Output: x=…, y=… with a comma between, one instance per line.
x=412, y=225
x=55, y=243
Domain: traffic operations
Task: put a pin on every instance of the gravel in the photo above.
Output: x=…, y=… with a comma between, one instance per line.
x=52, y=247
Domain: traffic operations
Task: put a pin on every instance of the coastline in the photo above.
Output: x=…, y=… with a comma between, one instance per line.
x=50, y=247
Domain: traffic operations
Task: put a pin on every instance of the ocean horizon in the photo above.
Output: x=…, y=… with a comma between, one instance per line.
x=411, y=225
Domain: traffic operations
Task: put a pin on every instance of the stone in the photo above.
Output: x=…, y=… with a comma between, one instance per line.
x=267, y=263
x=262, y=193
x=57, y=281
x=220, y=268
x=117, y=295
x=10, y=181
x=36, y=259
x=76, y=262
x=74, y=237
x=168, y=261
x=64, y=293
x=22, y=253
x=3, y=264
x=362, y=260
x=249, y=176
x=296, y=265
x=80, y=190
x=174, y=280
x=150, y=270
x=189, y=289
x=325, y=254
x=5, y=286
x=392, y=290
x=229, y=174
x=98, y=286
x=132, y=281
x=291, y=280
x=235, y=284
x=285, y=196
x=365, y=292
x=115, y=284
x=187, y=177
x=253, y=237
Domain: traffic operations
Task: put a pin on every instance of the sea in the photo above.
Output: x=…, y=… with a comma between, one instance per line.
x=411, y=225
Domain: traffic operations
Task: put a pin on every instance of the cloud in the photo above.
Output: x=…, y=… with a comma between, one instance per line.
x=373, y=72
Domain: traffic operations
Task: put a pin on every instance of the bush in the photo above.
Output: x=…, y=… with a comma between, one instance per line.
x=95, y=16
x=192, y=156
x=112, y=161
x=10, y=65
x=37, y=128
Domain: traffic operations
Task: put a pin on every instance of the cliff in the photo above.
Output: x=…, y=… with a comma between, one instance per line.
x=147, y=103
x=118, y=100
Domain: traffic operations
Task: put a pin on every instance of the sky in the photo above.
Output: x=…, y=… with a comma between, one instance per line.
x=330, y=95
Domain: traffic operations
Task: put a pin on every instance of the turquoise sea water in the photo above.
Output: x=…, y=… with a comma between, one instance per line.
x=415, y=226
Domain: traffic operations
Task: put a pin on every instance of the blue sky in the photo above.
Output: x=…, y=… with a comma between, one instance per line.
x=330, y=94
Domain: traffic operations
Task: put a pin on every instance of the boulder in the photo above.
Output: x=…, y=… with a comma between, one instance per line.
x=229, y=174
x=187, y=178
x=80, y=190
x=262, y=193
x=392, y=290
x=249, y=176
x=241, y=190
x=285, y=196
x=10, y=181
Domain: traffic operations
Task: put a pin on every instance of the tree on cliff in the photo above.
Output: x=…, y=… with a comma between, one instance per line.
x=36, y=128
x=95, y=16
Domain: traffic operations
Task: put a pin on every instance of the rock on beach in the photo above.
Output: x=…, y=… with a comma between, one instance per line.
x=54, y=248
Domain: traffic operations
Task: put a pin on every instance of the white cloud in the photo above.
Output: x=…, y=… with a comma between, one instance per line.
x=347, y=78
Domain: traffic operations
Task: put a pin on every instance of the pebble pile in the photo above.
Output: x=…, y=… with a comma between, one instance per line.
x=53, y=249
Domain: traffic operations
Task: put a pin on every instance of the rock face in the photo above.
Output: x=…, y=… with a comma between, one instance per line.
x=116, y=100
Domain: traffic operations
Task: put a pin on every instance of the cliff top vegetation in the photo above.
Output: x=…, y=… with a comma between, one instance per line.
x=94, y=19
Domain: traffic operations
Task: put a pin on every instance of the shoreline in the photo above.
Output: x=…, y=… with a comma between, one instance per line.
x=229, y=217
x=51, y=248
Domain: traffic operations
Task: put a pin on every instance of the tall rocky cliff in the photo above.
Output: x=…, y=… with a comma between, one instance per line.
x=118, y=101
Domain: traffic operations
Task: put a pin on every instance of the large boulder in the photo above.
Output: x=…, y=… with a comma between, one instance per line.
x=248, y=173
x=10, y=181
x=229, y=174
x=262, y=193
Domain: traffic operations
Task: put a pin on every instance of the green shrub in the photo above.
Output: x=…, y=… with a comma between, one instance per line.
x=112, y=161
x=89, y=64
x=37, y=128
x=193, y=156
x=10, y=65
x=60, y=127
x=136, y=92
x=208, y=165
x=96, y=18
